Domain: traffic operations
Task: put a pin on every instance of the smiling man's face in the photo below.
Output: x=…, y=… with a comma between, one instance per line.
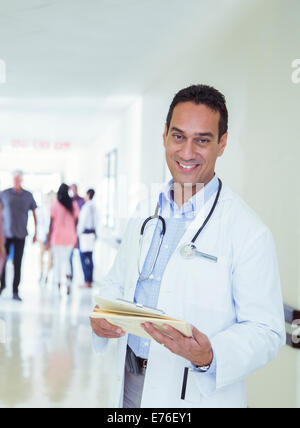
x=192, y=143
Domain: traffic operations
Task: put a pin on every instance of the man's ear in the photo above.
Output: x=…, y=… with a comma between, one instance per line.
x=222, y=144
x=165, y=135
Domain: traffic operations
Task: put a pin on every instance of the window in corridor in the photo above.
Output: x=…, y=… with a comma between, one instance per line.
x=110, y=189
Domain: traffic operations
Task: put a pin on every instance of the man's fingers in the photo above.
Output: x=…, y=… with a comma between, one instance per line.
x=158, y=336
x=105, y=325
x=108, y=326
x=112, y=335
x=173, y=333
x=105, y=329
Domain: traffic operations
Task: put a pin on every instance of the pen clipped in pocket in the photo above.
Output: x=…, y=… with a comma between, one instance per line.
x=184, y=383
x=189, y=390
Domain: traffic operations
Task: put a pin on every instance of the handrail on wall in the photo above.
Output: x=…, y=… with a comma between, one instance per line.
x=292, y=319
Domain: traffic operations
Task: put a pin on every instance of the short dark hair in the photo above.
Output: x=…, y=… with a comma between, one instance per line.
x=202, y=94
x=91, y=193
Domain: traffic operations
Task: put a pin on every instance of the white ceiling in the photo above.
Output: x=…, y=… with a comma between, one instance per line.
x=82, y=57
x=91, y=48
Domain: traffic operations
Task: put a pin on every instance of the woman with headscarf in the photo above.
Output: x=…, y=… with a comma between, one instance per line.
x=62, y=235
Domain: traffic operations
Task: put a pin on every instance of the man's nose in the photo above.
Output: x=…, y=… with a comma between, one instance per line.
x=187, y=151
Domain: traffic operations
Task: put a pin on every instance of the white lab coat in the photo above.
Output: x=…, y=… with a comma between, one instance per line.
x=87, y=217
x=236, y=302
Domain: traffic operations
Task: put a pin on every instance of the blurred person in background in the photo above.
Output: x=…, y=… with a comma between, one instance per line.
x=80, y=202
x=62, y=234
x=3, y=253
x=16, y=203
x=43, y=216
x=86, y=230
x=75, y=196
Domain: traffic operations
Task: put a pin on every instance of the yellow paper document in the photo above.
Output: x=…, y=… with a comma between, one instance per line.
x=129, y=316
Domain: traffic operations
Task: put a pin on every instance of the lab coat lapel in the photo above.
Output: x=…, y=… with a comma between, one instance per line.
x=198, y=222
x=189, y=233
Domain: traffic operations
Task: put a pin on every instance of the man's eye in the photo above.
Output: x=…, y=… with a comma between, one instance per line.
x=202, y=141
x=177, y=136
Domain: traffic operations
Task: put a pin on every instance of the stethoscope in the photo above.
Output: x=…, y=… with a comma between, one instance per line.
x=188, y=251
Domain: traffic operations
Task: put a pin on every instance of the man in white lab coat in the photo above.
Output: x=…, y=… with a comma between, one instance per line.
x=229, y=291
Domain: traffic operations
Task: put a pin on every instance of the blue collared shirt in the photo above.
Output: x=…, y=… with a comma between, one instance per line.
x=177, y=221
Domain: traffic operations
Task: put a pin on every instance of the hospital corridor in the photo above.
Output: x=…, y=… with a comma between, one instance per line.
x=48, y=360
x=149, y=158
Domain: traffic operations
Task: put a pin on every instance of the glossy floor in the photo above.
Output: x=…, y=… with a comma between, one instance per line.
x=47, y=359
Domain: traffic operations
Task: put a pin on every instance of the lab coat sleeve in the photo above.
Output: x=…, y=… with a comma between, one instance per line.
x=113, y=285
x=206, y=381
x=81, y=219
x=99, y=343
x=259, y=331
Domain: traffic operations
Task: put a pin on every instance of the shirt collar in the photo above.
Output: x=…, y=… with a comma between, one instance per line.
x=16, y=193
x=192, y=206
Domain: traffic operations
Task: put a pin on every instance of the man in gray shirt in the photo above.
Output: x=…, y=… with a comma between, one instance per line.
x=15, y=204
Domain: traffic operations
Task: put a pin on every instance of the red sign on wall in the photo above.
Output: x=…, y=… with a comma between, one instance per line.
x=41, y=144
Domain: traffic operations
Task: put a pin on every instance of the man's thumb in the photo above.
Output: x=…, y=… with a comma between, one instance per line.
x=198, y=336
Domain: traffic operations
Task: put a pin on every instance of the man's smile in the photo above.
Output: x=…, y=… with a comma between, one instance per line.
x=186, y=167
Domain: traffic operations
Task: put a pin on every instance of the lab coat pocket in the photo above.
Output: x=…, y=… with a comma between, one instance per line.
x=190, y=392
x=207, y=283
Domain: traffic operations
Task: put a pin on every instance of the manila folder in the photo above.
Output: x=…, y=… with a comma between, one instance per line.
x=130, y=316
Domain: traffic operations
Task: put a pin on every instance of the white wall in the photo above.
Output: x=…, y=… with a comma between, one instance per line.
x=249, y=59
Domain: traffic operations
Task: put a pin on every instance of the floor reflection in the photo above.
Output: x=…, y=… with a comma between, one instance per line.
x=48, y=359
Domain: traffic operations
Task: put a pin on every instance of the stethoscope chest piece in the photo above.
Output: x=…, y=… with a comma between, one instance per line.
x=188, y=251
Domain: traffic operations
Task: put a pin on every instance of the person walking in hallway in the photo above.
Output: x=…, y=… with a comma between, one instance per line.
x=3, y=253
x=62, y=235
x=43, y=216
x=86, y=230
x=79, y=202
x=15, y=205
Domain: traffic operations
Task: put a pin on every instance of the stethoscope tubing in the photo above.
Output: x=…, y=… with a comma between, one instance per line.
x=163, y=231
x=210, y=213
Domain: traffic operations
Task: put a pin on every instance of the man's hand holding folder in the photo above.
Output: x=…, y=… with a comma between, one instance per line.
x=176, y=335
x=103, y=328
x=130, y=316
